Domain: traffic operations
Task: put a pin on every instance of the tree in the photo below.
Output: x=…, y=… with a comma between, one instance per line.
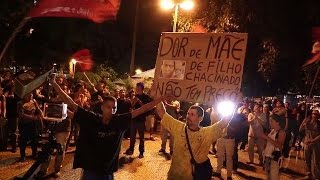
x=277, y=43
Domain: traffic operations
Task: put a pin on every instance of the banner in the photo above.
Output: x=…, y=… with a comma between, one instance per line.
x=95, y=10
x=200, y=67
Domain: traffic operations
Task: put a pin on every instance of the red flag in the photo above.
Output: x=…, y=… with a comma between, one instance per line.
x=198, y=28
x=83, y=60
x=315, y=48
x=96, y=10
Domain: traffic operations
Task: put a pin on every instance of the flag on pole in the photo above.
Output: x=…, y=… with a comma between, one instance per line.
x=83, y=60
x=315, y=48
x=95, y=10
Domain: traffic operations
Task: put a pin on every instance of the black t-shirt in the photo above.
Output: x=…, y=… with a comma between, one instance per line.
x=98, y=145
x=236, y=126
x=123, y=106
x=144, y=98
x=206, y=120
x=11, y=106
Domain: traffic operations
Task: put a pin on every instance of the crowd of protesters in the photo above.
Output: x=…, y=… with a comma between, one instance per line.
x=276, y=128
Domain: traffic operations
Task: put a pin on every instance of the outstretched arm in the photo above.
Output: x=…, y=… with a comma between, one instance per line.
x=146, y=107
x=161, y=110
x=65, y=97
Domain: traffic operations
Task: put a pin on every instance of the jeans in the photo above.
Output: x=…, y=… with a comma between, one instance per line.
x=61, y=138
x=260, y=144
x=13, y=131
x=140, y=127
x=225, y=147
x=271, y=169
x=28, y=135
x=312, y=157
x=164, y=138
x=89, y=175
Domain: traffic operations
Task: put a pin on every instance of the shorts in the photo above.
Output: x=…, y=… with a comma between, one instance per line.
x=149, y=122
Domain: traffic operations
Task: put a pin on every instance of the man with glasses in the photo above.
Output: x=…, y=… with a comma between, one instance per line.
x=311, y=128
x=100, y=137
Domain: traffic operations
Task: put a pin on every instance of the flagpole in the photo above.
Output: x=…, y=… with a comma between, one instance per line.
x=312, y=86
x=134, y=39
x=85, y=75
x=13, y=35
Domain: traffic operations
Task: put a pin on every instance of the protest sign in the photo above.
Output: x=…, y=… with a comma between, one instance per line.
x=200, y=67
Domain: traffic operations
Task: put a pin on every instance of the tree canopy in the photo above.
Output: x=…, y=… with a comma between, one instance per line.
x=279, y=38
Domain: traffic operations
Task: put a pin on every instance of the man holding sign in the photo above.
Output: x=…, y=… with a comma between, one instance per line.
x=200, y=139
x=210, y=71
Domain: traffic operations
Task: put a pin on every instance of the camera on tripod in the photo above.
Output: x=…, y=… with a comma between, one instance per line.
x=54, y=113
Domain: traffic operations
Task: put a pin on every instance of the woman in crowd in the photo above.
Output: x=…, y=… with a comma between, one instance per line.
x=272, y=152
x=311, y=128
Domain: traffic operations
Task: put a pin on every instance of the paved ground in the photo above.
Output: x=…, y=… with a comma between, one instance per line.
x=152, y=166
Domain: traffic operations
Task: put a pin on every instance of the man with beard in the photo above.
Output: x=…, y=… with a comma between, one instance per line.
x=200, y=139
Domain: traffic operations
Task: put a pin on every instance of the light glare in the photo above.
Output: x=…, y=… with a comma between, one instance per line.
x=187, y=5
x=138, y=71
x=73, y=61
x=226, y=108
x=167, y=4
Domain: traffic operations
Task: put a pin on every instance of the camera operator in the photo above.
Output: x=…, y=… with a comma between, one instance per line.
x=272, y=151
x=61, y=131
x=100, y=137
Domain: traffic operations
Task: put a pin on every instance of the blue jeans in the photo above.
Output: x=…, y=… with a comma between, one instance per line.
x=89, y=175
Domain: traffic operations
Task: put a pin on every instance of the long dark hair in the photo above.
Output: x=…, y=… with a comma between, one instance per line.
x=279, y=119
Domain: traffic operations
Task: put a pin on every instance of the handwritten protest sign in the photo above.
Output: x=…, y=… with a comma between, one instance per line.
x=200, y=67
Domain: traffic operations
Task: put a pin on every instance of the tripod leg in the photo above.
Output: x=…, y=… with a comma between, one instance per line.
x=32, y=171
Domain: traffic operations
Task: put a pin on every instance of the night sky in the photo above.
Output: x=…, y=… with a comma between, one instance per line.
x=56, y=39
x=285, y=22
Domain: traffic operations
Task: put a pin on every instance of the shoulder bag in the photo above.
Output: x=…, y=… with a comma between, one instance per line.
x=200, y=171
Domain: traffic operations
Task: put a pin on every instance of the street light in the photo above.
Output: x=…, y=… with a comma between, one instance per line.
x=183, y=4
x=138, y=71
x=73, y=63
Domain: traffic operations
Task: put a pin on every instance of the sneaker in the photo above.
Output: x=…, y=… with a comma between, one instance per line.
x=22, y=159
x=34, y=156
x=56, y=175
x=229, y=178
x=13, y=150
x=215, y=174
x=162, y=151
x=308, y=176
x=283, y=169
x=212, y=152
x=39, y=175
x=128, y=152
x=152, y=138
x=141, y=156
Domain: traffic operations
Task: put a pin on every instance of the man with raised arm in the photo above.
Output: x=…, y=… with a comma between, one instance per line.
x=200, y=139
x=97, y=151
